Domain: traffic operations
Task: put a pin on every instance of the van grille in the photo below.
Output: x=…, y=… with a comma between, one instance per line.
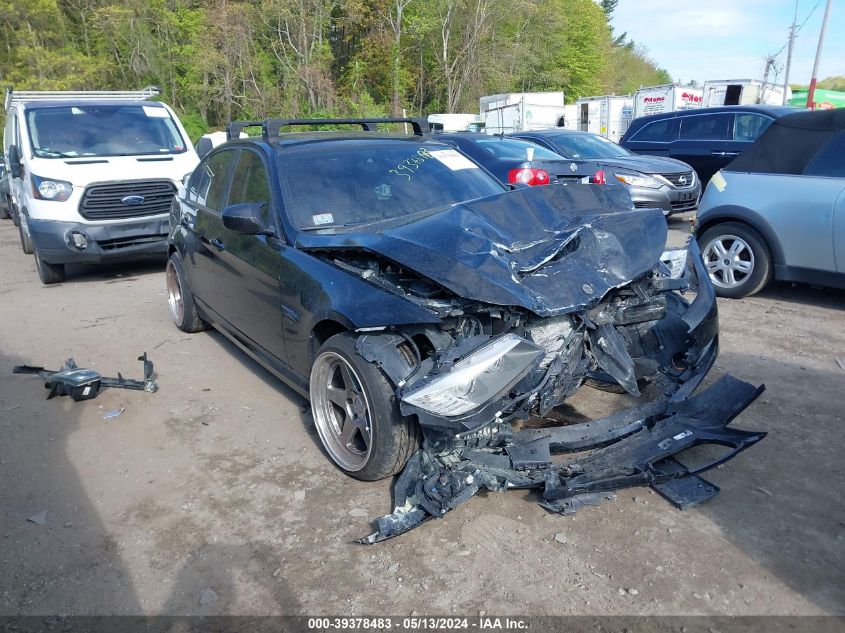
x=681, y=180
x=105, y=202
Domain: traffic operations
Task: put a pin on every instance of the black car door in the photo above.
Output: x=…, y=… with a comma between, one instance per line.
x=248, y=266
x=703, y=143
x=207, y=192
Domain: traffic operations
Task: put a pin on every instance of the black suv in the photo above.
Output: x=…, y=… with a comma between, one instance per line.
x=422, y=306
x=707, y=138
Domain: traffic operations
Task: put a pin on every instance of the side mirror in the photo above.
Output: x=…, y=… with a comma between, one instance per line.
x=186, y=178
x=204, y=146
x=247, y=219
x=14, y=161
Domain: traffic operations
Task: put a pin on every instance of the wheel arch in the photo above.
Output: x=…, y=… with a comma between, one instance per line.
x=743, y=215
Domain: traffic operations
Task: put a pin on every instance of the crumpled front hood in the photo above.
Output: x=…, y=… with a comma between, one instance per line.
x=551, y=249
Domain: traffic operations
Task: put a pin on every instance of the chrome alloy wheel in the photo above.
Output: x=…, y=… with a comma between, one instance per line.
x=341, y=411
x=174, y=294
x=729, y=261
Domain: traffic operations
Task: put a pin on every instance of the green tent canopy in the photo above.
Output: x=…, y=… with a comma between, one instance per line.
x=836, y=99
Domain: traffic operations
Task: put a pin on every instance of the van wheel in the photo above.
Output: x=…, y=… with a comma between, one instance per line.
x=26, y=242
x=737, y=259
x=356, y=413
x=180, y=299
x=49, y=273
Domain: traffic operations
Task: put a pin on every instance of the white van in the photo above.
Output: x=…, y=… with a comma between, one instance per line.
x=92, y=175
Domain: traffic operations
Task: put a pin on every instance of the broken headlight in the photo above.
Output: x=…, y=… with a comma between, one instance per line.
x=674, y=262
x=477, y=378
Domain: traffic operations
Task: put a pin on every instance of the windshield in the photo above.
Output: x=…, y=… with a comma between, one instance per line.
x=335, y=187
x=103, y=130
x=511, y=148
x=588, y=146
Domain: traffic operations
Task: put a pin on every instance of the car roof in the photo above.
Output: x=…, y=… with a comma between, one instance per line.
x=555, y=131
x=775, y=111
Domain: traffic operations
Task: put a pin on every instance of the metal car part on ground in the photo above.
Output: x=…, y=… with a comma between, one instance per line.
x=85, y=384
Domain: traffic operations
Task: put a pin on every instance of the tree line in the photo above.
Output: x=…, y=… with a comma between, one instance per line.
x=218, y=60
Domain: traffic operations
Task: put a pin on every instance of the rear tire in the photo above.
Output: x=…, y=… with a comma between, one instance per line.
x=180, y=299
x=356, y=413
x=737, y=259
x=49, y=273
x=26, y=242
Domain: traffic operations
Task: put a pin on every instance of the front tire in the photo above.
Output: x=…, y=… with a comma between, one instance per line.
x=49, y=274
x=737, y=259
x=356, y=413
x=180, y=299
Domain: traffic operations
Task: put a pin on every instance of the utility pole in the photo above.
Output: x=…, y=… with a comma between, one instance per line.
x=811, y=92
x=789, y=54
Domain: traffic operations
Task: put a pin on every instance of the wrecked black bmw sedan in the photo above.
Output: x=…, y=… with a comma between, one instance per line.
x=423, y=308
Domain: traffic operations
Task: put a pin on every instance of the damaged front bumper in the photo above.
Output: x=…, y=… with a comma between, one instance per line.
x=479, y=449
x=632, y=448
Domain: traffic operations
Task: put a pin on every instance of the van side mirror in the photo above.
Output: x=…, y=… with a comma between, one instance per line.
x=247, y=219
x=14, y=161
x=204, y=146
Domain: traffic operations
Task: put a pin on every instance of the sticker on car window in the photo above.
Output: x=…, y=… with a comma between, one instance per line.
x=159, y=113
x=453, y=159
x=322, y=218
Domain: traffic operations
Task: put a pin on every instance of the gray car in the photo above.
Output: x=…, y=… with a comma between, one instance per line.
x=652, y=181
x=778, y=210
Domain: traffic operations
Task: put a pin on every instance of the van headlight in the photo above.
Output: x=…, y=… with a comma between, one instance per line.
x=49, y=189
x=478, y=378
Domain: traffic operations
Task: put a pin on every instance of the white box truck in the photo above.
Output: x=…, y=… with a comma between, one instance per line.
x=93, y=175
x=454, y=122
x=724, y=92
x=608, y=115
x=666, y=98
x=522, y=111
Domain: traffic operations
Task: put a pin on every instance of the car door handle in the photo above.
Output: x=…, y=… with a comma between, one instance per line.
x=218, y=244
x=731, y=153
x=718, y=153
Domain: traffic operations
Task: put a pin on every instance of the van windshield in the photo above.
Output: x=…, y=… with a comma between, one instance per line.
x=103, y=130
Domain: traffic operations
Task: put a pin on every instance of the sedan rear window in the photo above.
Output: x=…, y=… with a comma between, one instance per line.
x=511, y=148
x=588, y=146
x=335, y=187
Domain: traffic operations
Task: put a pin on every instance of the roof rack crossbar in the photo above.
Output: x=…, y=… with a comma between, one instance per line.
x=17, y=96
x=270, y=127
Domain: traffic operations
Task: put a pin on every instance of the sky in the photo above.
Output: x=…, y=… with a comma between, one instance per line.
x=730, y=39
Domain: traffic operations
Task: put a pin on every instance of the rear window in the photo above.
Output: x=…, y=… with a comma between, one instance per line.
x=829, y=160
x=364, y=183
x=664, y=131
x=511, y=148
x=103, y=130
x=748, y=127
x=705, y=127
x=588, y=146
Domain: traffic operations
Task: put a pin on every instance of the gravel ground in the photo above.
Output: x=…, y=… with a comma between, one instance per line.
x=213, y=496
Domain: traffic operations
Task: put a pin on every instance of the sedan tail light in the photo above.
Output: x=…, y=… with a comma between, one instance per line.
x=528, y=176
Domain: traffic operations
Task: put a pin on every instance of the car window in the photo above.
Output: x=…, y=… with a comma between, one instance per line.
x=588, y=146
x=664, y=130
x=747, y=127
x=249, y=183
x=511, y=148
x=359, y=183
x=705, y=127
x=829, y=160
x=208, y=184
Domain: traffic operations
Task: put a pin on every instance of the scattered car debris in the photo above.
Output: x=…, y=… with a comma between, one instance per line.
x=108, y=415
x=38, y=519
x=560, y=537
x=841, y=363
x=84, y=384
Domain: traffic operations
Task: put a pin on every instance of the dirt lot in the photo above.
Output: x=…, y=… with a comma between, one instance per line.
x=213, y=496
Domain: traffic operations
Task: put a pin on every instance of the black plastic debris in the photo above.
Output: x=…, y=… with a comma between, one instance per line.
x=84, y=384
